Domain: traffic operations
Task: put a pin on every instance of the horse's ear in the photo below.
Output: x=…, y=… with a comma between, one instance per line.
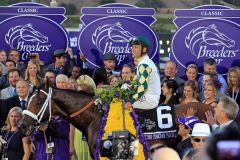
x=47, y=83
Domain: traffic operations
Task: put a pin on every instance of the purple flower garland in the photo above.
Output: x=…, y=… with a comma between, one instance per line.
x=141, y=136
x=101, y=131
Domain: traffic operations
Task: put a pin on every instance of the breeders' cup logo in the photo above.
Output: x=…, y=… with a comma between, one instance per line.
x=104, y=37
x=200, y=38
x=112, y=35
x=206, y=38
x=33, y=34
x=17, y=37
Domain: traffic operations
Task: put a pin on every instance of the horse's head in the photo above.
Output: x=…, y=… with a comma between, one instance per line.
x=40, y=109
x=213, y=36
x=118, y=34
x=28, y=33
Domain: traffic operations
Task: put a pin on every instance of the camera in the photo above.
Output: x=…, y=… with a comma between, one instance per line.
x=118, y=145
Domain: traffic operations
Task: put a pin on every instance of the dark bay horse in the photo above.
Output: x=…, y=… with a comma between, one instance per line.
x=64, y=103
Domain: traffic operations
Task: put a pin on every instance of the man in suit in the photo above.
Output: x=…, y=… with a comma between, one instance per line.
x=170, y=72
x=60, y=65
x=13, y=77
x=21, y=99
x=225, y=114
x=101, y=75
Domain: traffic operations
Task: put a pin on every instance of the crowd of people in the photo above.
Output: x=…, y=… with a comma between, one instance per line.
x=59, y=140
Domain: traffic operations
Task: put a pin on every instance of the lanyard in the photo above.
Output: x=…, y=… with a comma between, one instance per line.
x=233, y=94
x=5, y=145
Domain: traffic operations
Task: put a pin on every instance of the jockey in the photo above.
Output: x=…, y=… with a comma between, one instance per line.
x=149, y=87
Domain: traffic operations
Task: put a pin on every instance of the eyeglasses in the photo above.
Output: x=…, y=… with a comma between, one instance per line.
x=152, y=150
x=199, y=140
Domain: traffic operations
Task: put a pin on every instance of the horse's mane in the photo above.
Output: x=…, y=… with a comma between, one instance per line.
x=44, y=86
x=85, y=93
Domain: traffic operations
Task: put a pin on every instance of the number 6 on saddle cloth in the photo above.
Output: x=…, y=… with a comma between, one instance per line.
x=158, y=123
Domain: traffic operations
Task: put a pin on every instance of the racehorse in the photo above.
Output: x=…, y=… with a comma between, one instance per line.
x=67, y=104
x=78, y=108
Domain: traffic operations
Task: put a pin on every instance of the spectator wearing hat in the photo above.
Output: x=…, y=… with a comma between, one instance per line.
x=185, y=128
x=60, y=65
x=199, y=135
x=148, y=91
x=101, y=75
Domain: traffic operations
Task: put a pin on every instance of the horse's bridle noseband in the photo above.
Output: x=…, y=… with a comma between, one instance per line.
x=40, y=114
x=47, y=103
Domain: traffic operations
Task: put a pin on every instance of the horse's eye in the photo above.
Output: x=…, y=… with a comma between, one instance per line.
x=40, y=101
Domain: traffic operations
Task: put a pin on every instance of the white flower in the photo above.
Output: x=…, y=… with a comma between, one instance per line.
x=97, y=101
x=125, y=86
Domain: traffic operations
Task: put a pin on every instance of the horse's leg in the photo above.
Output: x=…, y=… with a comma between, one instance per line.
x=92, y=132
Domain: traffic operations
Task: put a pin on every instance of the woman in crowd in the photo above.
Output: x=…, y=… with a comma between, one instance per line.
x=191, y=72
x=210, y=93
x=233, y=78
x=72, y=84
x=3, y=59
x=127, y=72
x=16, y=146
x=189, y=92
x=86, y=84
x=114, y=80
x=169, y=88
x=32, y=75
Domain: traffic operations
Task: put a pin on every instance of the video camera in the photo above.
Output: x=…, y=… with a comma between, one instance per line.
x=118, y=145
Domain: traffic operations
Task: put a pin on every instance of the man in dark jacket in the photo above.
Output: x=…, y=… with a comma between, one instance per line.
x=101, y=75
x=60, y=65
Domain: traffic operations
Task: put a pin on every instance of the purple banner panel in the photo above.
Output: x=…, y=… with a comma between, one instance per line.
x=33, y=33
x=110, y=28
x=207, y=36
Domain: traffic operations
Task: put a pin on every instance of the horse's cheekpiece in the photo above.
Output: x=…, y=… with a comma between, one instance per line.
x=142, y=99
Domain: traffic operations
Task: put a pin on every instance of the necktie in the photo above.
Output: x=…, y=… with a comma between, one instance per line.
x=14, y=92
x=57, y=70
x=23, y=104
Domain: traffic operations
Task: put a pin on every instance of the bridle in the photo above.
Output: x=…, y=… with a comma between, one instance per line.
x=38, y=117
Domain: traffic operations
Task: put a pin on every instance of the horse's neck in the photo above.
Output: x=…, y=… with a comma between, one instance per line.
x=69, y=103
